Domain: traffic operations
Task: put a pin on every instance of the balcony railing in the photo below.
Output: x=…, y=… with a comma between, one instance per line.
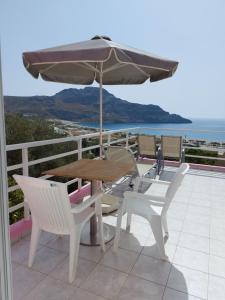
x=126, y=137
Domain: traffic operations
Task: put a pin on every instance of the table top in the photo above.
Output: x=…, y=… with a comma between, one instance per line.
x=90, y=169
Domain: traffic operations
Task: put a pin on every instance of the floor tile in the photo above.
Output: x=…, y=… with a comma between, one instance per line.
x=131, y=242
x=216, y=289
x=191, y=259
x=24, y=280
x=47, y=259
x=84, y=268
x=152, y=269
x=123, y=260
x=218, y=212
x=45, y=237
x=151, y=249
x=174, y=224
x=15, y=265
x=181, y=198
x=137, y=288
x=140, y=229
x=175, y=295
x=20, y=251
x=188, y=281
x=60, y=244
x=199, y=219
x=217, y=222
x=217, y=248
x=80, y=294
x=137, y=218
x=196, y=228
x=217, y=266
x=199, y=210
x=50, y=289
x=105, y=282
x=173, y=237
x=217, y=233
x=194, y=242
x=177, y=210
x=196, y=201
x=94, y=254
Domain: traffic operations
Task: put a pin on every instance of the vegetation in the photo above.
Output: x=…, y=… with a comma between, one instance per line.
x=199, y=152
x=20, y=130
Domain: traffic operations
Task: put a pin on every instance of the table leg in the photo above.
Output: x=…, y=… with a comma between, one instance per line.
x=90, y=235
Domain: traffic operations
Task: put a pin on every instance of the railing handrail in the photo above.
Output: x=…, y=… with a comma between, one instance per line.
x=183, y=129
x=62, y=140
x=96, y=134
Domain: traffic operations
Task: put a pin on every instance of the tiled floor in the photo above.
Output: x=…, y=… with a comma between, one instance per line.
x=196, y=250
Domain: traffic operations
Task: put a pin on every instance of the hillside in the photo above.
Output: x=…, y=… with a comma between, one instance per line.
x=82, y=105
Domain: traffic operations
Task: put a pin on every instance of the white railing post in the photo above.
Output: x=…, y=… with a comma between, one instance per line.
x=127, y=140
x=79, y=145
x=25, y=160
x=109, y=139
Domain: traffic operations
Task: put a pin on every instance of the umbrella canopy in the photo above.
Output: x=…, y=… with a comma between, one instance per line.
x=81, y=63
x=100, y=60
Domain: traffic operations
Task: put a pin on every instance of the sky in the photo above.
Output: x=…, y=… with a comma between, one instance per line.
x=191, y=32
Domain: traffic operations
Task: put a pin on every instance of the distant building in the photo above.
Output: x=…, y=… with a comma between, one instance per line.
x=59, y=130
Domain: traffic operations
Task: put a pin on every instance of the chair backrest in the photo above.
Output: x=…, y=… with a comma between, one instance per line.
x=171, y=146
x=147, y=145
x=121, y=154
x=175, y=184
x=49, y=203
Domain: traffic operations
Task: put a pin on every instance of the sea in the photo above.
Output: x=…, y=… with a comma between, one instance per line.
x=202, y=129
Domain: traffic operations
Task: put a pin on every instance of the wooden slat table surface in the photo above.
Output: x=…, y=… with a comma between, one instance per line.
x=90, y=169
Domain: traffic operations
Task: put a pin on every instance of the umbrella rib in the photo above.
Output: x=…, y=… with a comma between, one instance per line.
x=117, y=66
x=47, y=69
x=90, y=67
x=135, y=65
x=94, y=61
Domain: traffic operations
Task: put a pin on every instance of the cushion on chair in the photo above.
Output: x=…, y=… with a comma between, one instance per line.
x=109, y=203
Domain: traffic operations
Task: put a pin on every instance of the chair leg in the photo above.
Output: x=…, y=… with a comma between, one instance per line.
x=165, y=225
x=158, y=234
x=35, y=234
x=101, y=232
x=118, y=227
x=129, y=216
x=73, y=257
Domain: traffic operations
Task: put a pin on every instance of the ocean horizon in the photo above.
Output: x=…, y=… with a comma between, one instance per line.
x=215, y=126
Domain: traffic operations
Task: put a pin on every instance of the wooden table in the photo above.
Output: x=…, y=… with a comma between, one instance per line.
x=94, y=171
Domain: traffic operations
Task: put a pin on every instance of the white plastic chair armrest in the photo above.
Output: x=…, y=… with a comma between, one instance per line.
x=156, y=200
x=78, y=208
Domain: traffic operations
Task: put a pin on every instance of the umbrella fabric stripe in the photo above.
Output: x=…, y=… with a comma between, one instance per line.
x=66, y=56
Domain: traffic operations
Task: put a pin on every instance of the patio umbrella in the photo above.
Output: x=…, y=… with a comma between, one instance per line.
x=101, y=60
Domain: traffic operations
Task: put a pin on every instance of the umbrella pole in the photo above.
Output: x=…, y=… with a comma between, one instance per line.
x=100, y=111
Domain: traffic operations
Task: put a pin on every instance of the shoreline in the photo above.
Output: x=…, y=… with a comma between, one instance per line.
x=200, y=130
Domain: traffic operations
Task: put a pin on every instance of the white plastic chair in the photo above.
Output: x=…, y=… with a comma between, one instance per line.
x=171, y=147
x=152, y=208
x=51, y=211
x=124, y=155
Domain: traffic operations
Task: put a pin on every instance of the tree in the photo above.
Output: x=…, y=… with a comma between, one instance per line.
x=20, y=129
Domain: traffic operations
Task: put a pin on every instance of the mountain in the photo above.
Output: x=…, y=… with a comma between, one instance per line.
x=82, y=105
